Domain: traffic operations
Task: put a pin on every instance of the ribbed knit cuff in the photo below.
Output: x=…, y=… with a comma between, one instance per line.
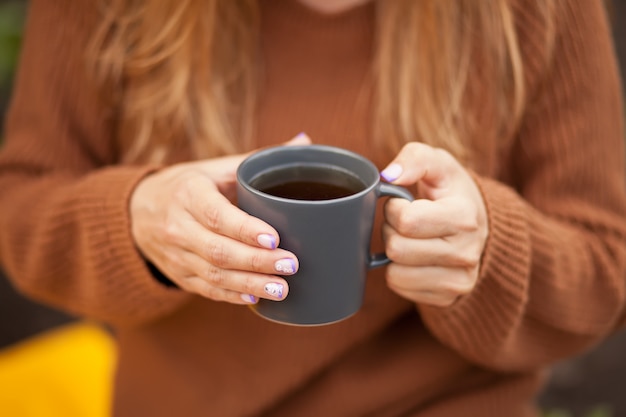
x=137, y=295
x=478, y=324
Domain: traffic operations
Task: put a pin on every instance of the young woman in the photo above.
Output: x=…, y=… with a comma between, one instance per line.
x=129, y=120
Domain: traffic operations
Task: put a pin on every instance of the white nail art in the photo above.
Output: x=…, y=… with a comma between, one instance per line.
x=274, y=289
x=285, y=266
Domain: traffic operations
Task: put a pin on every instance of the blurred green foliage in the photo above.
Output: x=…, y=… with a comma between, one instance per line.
x=12, y=15
x=600, y=411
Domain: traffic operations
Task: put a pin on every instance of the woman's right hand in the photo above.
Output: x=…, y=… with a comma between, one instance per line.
x=183, y=222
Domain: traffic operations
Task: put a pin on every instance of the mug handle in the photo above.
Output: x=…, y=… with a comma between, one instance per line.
x=388, y=190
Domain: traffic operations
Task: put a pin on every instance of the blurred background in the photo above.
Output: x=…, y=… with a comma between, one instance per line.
x=591, y=385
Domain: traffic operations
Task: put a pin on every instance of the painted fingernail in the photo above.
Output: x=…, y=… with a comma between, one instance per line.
x=392, y=172
x=285, y=266
x=300, y=139
x=267, y=241
x=302, y=136
x=274, y=289
x=248, y=298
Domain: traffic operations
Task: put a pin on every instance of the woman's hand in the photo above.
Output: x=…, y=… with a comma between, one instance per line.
x=184, y=223
x=435, y=242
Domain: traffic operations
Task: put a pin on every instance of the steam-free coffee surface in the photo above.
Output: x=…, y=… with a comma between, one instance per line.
x=308, y=183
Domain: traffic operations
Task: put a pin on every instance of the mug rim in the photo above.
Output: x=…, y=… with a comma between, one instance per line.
x=316, y=147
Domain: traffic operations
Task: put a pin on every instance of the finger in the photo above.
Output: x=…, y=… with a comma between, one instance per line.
x=299, y=140
x=199, y=286
x=437, y=282
x=226, y=285
x=237, y=287
x=227, y=253
x=418, y=162
x=224, y=169
x=215, y=212
x=428, y=298
x=430, y=252
x=257, y=285
x=184, y=264
x=428, y=219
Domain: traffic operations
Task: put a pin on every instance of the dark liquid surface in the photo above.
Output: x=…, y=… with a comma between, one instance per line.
x=308, y=183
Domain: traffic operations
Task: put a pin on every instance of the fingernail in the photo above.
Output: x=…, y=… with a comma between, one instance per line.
x=392, y=172
x=285, y=266
x=274, y=289
x=267, y=241
x=248, y=298
x=301, y=138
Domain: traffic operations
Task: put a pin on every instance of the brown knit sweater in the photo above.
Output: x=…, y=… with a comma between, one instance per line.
x=552, y=277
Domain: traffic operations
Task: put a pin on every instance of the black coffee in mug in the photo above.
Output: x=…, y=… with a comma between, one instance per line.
x=312, y=182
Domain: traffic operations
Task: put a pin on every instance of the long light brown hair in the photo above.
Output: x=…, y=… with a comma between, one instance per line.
x=180, y=82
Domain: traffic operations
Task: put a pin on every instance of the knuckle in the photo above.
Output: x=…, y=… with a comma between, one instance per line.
x=475, y=258
x=172, y=232
x=216, y=277
x=448, y=162
x=468, y=224
x=467, y=259
x=217, y=255
x=460, y=285
x=391, y=277
x=393, y=248
x=406, y=222
x=465, y=288
x=248, y=286
x=241, y=231
x=245, y=227
x=213, y=217
x=257, y=262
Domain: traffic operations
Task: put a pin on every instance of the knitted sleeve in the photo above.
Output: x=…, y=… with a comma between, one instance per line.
x=552, y=279
x=64, y=223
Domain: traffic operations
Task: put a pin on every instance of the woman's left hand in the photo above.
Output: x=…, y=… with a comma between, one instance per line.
x=435, y=242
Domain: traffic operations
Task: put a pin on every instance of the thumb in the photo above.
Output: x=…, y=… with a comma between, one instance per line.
x=223, y=170
x=418, y=162
x=227, y=165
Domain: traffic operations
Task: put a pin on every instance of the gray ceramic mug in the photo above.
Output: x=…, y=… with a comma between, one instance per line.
x=330, y=234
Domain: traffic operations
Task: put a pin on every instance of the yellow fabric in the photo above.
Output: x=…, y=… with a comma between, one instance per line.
x=65, y=372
